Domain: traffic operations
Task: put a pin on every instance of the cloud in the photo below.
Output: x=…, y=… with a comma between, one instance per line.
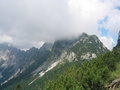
x=87, y=13
x=108, y=42
x=6, y=39
x=112, y=24
x=29, y=22
x=38, y=44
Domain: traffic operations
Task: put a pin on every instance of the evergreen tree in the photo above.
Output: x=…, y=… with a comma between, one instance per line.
x=18, y=87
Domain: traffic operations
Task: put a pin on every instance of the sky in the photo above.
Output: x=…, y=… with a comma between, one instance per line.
x=28, y=23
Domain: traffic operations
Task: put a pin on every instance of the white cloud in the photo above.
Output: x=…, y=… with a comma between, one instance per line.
x=28, y=21
x=38, y=44
x=108, y=42
x=113, y=22
x=87, y=13
x=6, y=39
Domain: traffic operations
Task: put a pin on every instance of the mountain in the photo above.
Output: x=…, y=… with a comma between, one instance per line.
x=100, y=73
x=18, y=64
x=8, y=62
x=35, y=63
x=85, y=47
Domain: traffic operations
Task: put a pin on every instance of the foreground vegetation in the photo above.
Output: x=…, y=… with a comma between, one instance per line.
x=91, y=75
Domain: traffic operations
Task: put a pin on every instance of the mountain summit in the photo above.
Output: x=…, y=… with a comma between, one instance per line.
x=37, y=62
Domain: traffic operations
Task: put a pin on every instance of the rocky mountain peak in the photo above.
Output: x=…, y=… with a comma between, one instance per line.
x=39, y=61
x=84, y=34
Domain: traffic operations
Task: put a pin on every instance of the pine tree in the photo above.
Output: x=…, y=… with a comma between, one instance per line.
x=18, y=87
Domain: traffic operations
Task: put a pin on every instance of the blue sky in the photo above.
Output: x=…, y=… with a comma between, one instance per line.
x=105, y=33
x=118, y=7
x=115, y=36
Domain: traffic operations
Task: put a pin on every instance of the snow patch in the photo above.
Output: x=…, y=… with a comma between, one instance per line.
x=49, y=68
x=71, y=56
x=76, y=43
x=11, y=77
x=42, y=73
x=33, y=81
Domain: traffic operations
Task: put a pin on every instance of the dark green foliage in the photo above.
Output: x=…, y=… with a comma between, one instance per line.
x=18, y=87
x=91, y=75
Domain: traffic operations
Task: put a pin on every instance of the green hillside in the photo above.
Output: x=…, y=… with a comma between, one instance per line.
x=91, y=75
x=95, y=74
